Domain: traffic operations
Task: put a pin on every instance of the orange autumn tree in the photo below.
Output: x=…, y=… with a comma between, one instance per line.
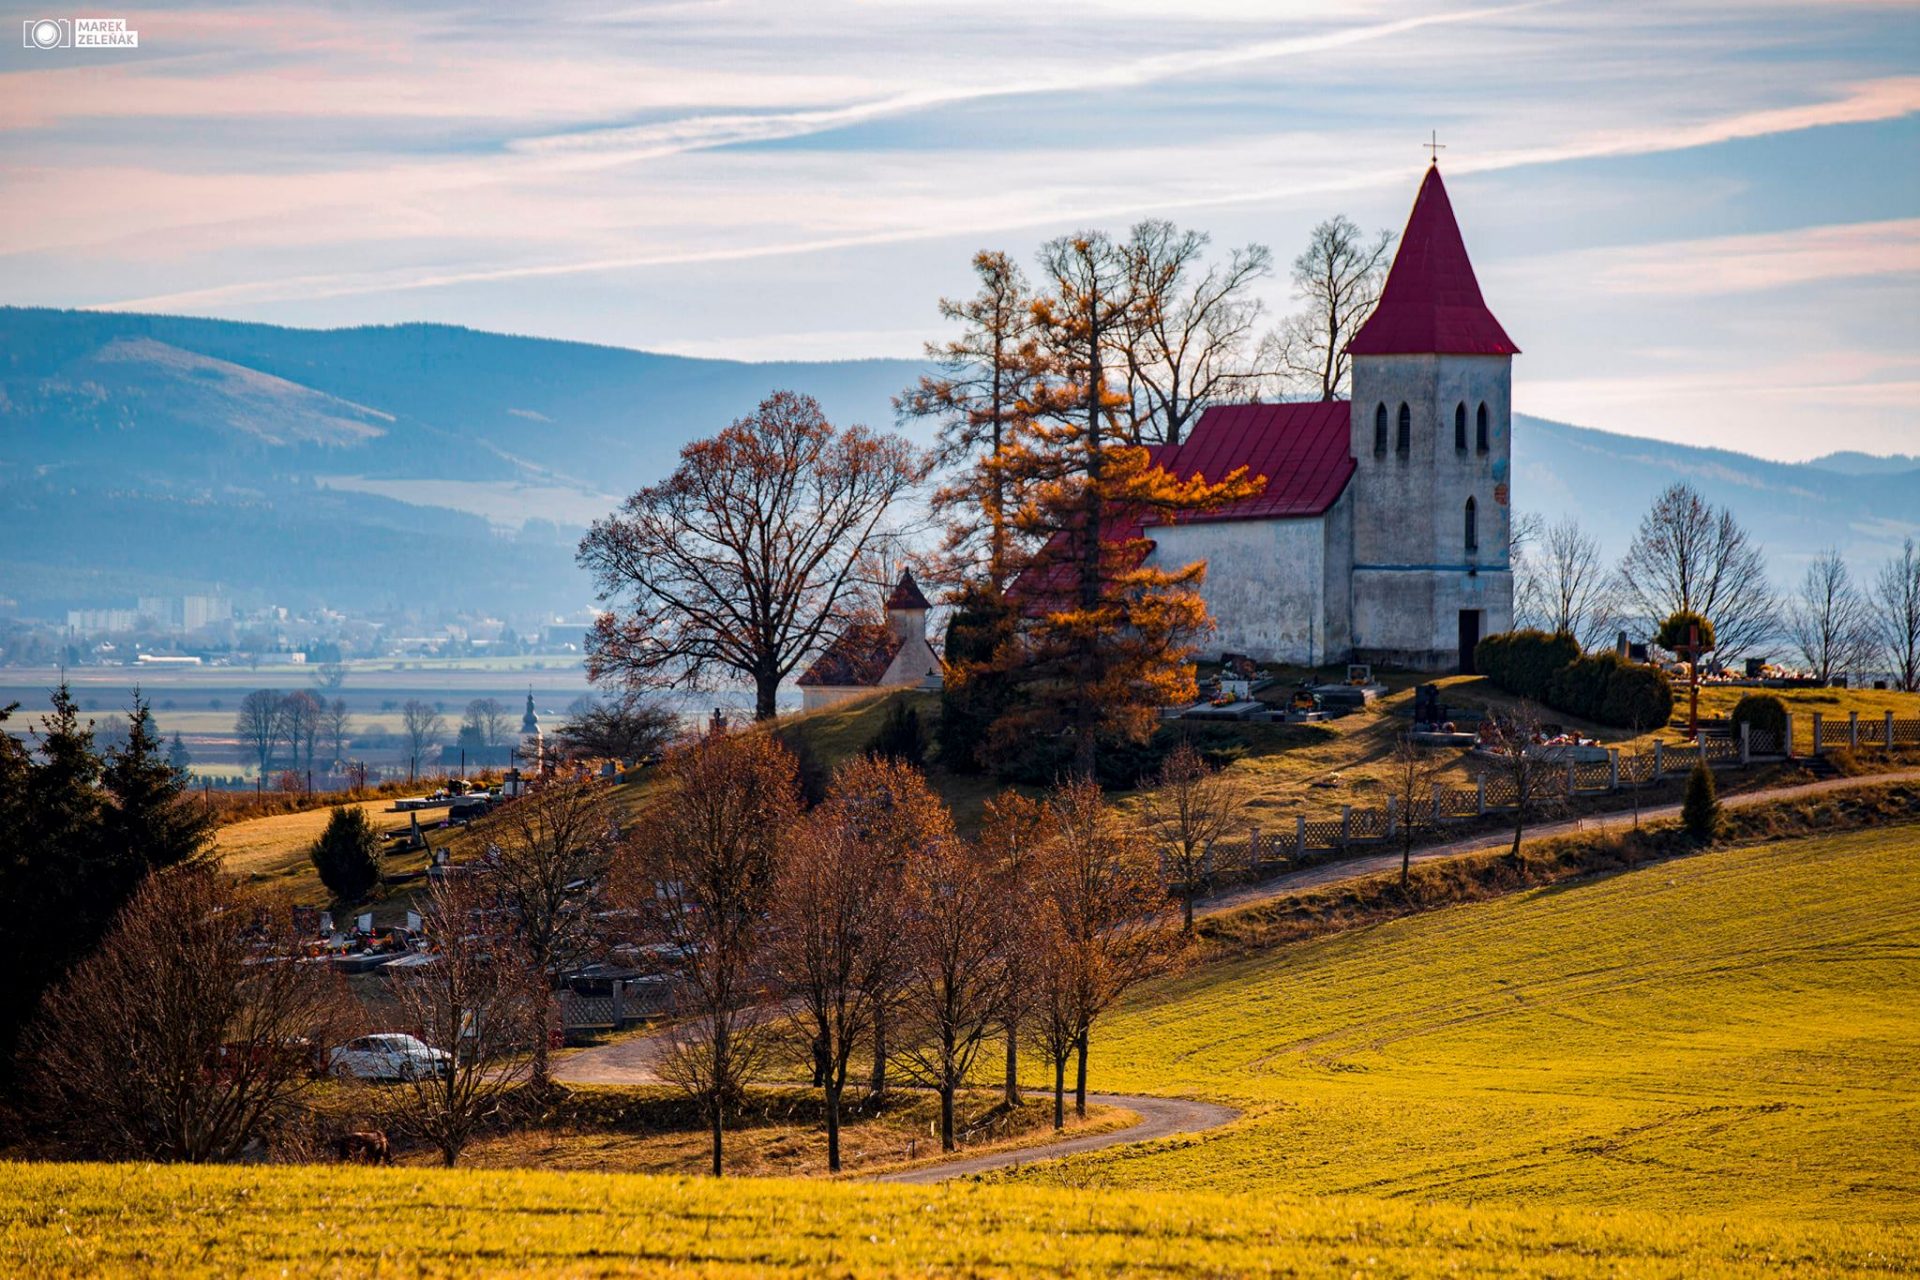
x=1110, y=639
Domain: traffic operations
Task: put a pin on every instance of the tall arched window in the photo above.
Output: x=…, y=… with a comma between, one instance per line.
x=1473, y=527
x=1479, y=429
x=1403, y=443
x=1460, y=426
x=1380, y=432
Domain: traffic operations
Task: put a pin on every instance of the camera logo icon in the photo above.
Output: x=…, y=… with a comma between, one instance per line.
x=47, y=33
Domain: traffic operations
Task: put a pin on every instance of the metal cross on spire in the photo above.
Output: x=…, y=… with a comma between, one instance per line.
x=1434, y=146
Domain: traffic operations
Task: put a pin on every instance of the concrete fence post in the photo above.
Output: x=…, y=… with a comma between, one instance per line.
x=1569, y=779
x=1346, y=825
x=1853, y=731
x=1480, y=796
x=1746, y=744
x=1659, y=760
x=1887, y=741
x=1393, y=815
x=619, y=1001
x=1206, y=863
x=1786, y=748
x=1613, y=768
x=1300, y=835
x=1816, y=735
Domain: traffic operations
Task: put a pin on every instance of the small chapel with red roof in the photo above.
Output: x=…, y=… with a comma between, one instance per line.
x=1382, y=534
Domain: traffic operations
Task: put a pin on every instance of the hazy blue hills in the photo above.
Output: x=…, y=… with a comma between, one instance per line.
x=447, y=467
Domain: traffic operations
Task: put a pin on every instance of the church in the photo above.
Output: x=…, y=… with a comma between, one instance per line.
x=1382, y=534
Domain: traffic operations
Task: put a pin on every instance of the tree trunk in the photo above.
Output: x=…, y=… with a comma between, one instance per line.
x=540, y=1065
x=1013, y=1065
x=766, y=689
x=449, y=1153
x=1186, y=904
x=946, y=1116
x=1080, y=1078
x=833, y=1127
x=718, y=1168
x=879, y=1086
x=1059, y=1093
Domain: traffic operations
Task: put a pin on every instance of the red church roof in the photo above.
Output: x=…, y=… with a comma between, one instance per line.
x=1303, y=449
x=1431, y=303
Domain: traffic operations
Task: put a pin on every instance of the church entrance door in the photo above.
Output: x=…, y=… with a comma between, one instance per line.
x=1469, y=638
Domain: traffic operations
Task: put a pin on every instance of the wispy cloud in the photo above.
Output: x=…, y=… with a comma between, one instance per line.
x=1749, y=263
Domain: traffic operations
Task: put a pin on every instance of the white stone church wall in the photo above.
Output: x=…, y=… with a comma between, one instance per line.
x=1266, y=584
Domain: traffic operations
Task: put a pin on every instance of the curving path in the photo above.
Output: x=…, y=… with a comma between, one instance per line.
x=1374, y=863
x=1159, y=1118
x=634, y=1061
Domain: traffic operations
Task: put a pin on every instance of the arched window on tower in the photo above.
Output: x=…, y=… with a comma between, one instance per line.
x=1479, y=429
x=1380, y=432
x=1403, y=442
x=1473, y=527
x=1460, y=426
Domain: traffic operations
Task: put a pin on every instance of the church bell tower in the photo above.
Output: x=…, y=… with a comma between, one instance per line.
x=1432, y=445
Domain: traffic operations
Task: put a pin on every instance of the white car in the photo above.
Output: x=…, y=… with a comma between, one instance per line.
x=388, y=1056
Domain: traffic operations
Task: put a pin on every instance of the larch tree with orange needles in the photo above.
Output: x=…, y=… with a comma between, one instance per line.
x=1111, y=638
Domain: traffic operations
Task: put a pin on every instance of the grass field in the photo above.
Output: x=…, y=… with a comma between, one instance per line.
x=271, y=853
x=83, y=1220
x=1703, y=1067
x=1729, y=1033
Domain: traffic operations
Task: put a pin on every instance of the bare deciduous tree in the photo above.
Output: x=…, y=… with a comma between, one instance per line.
x=1190, y=806
x=701, y=875
x=1112, y=924
x=301, y=719
x=488, y=720
x=547, y=860
x=1338, y=279
x=1415, y=774
x=1562, y=586
x=746, y=559
x=1013, y=833
x=1186, y=340
x=953, y=976
x=257, y=725
x=835, y=916
x=1691, y=556
x=1828, y=619
x=628, y=727
x=1519, y=763
x=335, y=727
x=475, y=1002
x=1896, y=616
x=423, y=726
x=188, y=1035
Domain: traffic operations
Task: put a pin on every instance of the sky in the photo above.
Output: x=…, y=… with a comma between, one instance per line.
x=1699, y=220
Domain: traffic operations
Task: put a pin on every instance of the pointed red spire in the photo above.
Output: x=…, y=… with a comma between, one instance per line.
x=1431, y=304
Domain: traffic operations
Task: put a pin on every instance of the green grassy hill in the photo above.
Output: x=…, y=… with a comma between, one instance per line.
x=1729, y=1033
x=1703, y=1067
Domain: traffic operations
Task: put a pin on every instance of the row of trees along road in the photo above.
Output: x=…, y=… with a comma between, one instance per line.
x=1688, y=556
x=770, y=538
x=872, y=928
x=866, y=929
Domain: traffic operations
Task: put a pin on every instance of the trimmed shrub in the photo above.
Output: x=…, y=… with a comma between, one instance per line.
x=1674, y=631
x=1601, y=687
x=347, y=855
x=1764, y=711
x=1700, y=811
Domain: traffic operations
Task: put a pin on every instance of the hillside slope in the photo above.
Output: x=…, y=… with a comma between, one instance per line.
x=1730, y=1033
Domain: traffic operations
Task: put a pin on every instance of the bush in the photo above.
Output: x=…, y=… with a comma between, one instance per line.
x=808, y=769
x=1601, y=687
x=1674, y=631
x=1700, y=812
x=901, y=736
x=1764, y=711
x=347, y=855
x=1524, y=662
